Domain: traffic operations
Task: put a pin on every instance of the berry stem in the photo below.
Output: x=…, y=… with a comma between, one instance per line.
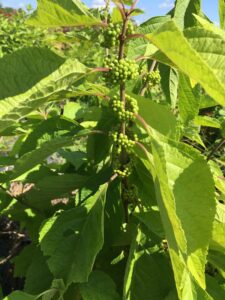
x=124, y=158
x=123, y=85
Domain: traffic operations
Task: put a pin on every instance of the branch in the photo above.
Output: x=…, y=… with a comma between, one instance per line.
x=214, y=150
x=136, y=35
x=145, y=86
x=100, y=69
x=143, y=122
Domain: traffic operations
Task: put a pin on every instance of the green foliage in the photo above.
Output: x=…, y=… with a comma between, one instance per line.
x=15, y=34
x=112, y=155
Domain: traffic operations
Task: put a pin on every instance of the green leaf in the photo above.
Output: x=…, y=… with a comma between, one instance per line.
x=188, y=101
x=214, y=289
x=144, y=182
x=210, y=26
x=152, y=112
x=196, y=54
x=31, y=159
x=98, y=147
x=207, y=121
x=140, y=46
x=183, y=179
x=52, y=87
x=53, y=187
x=73, y=239
x=218, y=234
x=147, y=274
x=38, y=276
x=114, y=213
x=46, y=131
x=62, y=13
x=99, y=286
x=17, y=295
x=169, y=84
x=21, y=70
x=183, y=13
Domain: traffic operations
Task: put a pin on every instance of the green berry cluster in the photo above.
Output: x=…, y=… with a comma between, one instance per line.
x=120, y=71
x=111, y=35
x=125, y=114
x=153, y=78
x=130, y=28
x=122, y=141
x=131, y=194
x=123, y=171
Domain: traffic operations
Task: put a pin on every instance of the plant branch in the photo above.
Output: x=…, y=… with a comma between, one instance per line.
x=143, y=122
x=215, y=149
x=135, y=35
x=121, y=10
x=133, y=6
x=150, y=69
x=100, y=69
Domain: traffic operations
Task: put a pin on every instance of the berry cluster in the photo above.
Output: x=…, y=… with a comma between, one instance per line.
x=111, y=35
x=130, y=28
x=153, y=78
x=122, y=141
x=120, y=71
x=125, y=114
x=123, y=171
x=131, y=194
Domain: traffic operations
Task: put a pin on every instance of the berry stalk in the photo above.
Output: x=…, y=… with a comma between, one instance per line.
x=122, y=40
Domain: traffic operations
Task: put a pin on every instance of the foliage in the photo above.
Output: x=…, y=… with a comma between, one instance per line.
x=15, y=34
x=115, y=170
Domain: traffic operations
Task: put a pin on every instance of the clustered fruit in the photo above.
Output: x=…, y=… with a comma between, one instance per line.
x=130, y=194
x=112, y=33
x=130, y=28
x=122, y=141
x=124, y=170
x=153, y=78
x=121, y=71
x=125, y=114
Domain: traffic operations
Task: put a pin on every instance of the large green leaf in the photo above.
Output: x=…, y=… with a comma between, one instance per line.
x=183, y=12
x=152, y=112
x=148, y=275
x=38, y=277
x=99, y=286
x=218, y=234
x=31, y=159
x=210, y=26
x=188, y=102
x=187, y=206
x=52, y=87
x=22, y=69
x=73, y=239
x=169, y=84
x=140, y=46
x=51, y=188
x=18, y=295
x=199, y=54
x=62, y=13
x=46, y=131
